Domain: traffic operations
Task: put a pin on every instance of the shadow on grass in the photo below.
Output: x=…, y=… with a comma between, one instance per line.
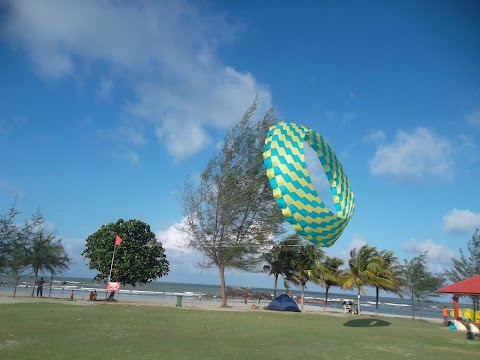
x=366, y=323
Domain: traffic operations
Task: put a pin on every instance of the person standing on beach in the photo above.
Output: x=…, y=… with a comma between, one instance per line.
x=71, y=295
x=40, y=287
x=445, y=315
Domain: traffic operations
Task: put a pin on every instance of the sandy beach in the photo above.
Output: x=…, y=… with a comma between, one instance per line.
x=188, y=303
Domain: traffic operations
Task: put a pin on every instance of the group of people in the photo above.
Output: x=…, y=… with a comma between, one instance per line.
x=347, y=307
x=93, y=294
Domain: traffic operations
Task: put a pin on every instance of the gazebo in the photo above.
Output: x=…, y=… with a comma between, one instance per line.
x=470, y=287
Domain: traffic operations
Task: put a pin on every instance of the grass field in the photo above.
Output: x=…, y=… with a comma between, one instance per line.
x=59, y=331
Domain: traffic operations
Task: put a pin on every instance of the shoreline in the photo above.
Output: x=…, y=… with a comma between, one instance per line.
x=188, y=303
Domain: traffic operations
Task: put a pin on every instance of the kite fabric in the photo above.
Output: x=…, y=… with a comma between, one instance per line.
x=292, y=187
x=118, y=240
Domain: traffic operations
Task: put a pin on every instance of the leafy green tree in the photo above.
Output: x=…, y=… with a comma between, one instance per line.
x=331, y=275
x=419, y=283
x=279, y=259
x=362, y=268
x=230, y=214
x=139, y=259
x=387, y=275
x=467, y=266
x=308, y=263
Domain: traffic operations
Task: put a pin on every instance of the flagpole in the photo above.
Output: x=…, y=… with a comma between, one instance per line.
x=111, y=267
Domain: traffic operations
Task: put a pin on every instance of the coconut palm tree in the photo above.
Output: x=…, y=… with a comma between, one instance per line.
x=308, y=263
x=280, y=259
x=330, y=275
x=362, y=269
x=388, y=275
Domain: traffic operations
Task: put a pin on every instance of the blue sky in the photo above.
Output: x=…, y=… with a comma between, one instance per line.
x=106, y=106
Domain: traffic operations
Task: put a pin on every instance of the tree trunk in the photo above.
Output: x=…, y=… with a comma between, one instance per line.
x=303, y=298
x=51, y=282
x=358, y=301
x=16, y=284
x=34, y=282
x=221, y=270
x=275, y=285
x=413, y=307
x=420, y=308
x=376, y=300
x=326, y=298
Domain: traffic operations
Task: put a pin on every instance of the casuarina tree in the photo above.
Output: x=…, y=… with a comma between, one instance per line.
x=230, y=214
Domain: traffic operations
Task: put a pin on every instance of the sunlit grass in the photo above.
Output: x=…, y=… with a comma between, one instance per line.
x=59, y=331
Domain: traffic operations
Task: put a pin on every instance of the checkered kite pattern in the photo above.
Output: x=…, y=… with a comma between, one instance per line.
x=293, y=189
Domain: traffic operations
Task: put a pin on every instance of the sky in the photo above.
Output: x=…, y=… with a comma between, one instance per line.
x=106, y=106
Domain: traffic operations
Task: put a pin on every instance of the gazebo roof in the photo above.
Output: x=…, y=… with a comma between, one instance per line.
x=470, y=286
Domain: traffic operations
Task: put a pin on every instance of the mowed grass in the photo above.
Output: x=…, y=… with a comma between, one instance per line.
x=59, y=331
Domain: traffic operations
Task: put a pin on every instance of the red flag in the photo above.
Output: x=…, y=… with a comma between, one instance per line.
x=118, y=240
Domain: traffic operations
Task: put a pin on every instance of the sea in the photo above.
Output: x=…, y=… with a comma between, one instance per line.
x=161, y=290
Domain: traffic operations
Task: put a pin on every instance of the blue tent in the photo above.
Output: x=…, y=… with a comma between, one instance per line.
x=283, y=303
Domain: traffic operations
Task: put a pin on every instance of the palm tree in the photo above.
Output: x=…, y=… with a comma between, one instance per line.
x=388, y=275
x=362, y=269
x=330, y=276
x=279, y=260
x=308, y=263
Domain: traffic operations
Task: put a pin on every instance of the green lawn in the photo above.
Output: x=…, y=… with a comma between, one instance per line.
x=59, y=331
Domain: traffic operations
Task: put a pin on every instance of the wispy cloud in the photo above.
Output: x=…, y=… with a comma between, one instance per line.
x=439, y=257
x=375, y=136
x=165, y=52
x=7, y=125
x=122, y=152
x=415, y=155
x=356, y=243
x=473, y=119
x=11, y=189
x=461, y=221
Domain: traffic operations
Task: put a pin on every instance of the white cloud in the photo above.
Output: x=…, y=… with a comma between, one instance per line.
x=173, y=237
x=183, y=261
x=461, y=221
x=414, y=155
x=164, y=51
x=473, y=119
x=438, y=256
